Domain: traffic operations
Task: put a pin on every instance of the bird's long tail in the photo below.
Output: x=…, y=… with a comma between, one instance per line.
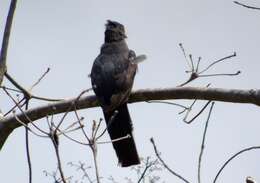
x=119, y=125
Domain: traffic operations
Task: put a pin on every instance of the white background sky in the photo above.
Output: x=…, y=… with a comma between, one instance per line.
x=66, y=36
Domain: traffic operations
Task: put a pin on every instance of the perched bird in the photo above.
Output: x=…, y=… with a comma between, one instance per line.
x=112, y=78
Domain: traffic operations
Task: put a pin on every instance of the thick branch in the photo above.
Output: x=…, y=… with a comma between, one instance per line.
x=8, y=124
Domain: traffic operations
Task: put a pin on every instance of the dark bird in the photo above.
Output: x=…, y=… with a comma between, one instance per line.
x=112, y=78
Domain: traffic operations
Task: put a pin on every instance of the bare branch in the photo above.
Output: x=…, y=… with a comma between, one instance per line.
x=217, y=61
x=221, y=74
x=116, y=140
x=5, y=42
x=148, y=164
x=233, y=157
x=71, y=107
x=185, y=55
x=246, y=6
x=164, y=164
x=94, y=150
x=199, y=113
x=9, y=123
x=26, y=93
x=194, y=69
x=170, y=103
x=53, y=137
x=108, y=124
x=203, y=142
x=39, y=80
x=26, y=126
x=28, y=154
x=16, y=105
x=81, y=166
x=79, y=121
x=26, y=117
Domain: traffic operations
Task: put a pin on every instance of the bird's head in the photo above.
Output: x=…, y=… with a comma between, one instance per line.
x=114, y=31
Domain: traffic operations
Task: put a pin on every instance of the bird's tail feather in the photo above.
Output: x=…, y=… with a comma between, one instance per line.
x=120, y=125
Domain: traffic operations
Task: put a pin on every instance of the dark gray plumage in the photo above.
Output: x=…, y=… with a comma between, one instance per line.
x=112, y=78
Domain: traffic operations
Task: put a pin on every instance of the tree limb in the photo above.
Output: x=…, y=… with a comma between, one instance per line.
x=5, y=41
x=9, y=123
x=246, y=6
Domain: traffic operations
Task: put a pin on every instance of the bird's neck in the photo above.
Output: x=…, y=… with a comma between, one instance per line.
x=114, y=47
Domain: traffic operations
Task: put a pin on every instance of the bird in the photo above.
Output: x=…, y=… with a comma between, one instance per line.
x=112, y=77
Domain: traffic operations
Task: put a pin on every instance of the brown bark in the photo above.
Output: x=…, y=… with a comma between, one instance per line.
x=8, y=124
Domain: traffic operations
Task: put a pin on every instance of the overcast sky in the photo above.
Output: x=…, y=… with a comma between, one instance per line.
x=66, y=36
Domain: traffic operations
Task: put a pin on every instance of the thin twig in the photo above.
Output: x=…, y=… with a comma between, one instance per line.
x=28, y=154
x=191, y=60
x=217, y=61
x=115, y=140
x=193, y=76
x=246, y=6
x=197, y=66
x=148, y=164
x=97, y=128
x=93, y=147
x=79, y=121
x=203, y=143
x=73, y=104
x=74, y=140
x=27, y=146
x=184, y=54
x=17, y=85
x=53, y=175
x=108, y=124
x=224, y=74
x=26, y=126
x=56, y=147
x=32, y=96
x=39, y=80
x=82, y=167
x=190, y=121
x=24, y=113
x=194, y=71
x=64, y=132
x=165, y=165
x=232, y=157
x=46, y=99
x=71, y=127
x=11, y=89
x=16, y=105
x=165, y=102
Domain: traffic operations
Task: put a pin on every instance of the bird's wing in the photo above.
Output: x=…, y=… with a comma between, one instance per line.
x=112, y=76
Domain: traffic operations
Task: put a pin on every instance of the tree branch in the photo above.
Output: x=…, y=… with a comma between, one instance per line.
x=9, y=123
x=7, y=31
x=246, y=6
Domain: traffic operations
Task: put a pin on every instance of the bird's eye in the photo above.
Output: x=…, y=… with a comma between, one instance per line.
x=113, y=24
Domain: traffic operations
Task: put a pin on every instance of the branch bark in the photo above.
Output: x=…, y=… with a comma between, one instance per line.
x=8, y=124
x=5, y=42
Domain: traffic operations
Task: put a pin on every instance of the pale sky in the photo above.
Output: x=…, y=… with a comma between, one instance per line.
x=66, y=36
